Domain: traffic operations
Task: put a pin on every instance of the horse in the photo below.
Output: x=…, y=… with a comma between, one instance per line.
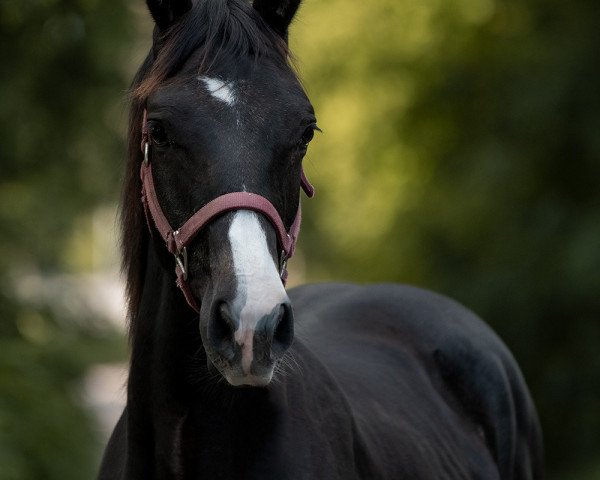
x=233, y=376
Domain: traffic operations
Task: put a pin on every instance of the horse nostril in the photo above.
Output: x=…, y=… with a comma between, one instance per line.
x=221, y=330
x=284, y=330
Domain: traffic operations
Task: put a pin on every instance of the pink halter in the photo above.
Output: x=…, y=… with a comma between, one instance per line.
x=178, y=240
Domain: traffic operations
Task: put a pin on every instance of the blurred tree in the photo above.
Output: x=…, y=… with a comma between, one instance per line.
x=461, y=152
x=61, y=86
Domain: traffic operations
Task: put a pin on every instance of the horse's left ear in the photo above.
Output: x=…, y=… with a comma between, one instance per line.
x=166, y=12
x=277, y=13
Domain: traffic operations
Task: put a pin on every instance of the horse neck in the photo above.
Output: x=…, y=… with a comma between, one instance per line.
x=165, y=348
x=164, y=335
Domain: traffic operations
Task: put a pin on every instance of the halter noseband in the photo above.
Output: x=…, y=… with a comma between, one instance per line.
x=178, y=240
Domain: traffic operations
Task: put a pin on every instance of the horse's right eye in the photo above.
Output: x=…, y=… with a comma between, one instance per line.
x=158, y=134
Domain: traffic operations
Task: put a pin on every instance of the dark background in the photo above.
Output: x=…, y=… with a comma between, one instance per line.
x=461, y=153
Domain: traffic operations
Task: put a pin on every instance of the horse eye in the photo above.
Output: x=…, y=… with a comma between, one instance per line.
x=158, y=134
x=308, y=135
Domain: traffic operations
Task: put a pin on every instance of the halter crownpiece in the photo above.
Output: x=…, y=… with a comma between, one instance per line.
x=178, y=240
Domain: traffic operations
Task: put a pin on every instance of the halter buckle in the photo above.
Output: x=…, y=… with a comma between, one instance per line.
x=182, y=261
x=282, y=263
x=146, y=153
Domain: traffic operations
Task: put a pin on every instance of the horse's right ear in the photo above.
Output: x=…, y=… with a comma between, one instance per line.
x=277, y=13
x=166, y=12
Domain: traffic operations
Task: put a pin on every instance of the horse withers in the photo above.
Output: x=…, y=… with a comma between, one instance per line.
x=232, y=376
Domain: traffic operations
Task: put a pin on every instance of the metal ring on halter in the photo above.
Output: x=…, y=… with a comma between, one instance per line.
x=282, y=262
x=146, y=153
x=182, y=260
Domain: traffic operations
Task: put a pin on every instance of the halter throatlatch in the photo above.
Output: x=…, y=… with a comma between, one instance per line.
x=178, y=240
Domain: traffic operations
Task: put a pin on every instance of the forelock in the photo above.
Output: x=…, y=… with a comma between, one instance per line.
x=218, y=33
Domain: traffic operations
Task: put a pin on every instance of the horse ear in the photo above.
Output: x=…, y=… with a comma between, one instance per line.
x=167, y=12
x=277, y=13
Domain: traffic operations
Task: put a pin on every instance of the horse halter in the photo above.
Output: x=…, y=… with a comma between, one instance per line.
x=178, y=240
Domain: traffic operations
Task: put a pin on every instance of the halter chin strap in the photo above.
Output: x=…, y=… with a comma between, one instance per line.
x=178, y=240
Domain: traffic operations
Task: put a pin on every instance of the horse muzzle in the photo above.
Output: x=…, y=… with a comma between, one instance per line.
x=246, y=345
x=248, y=324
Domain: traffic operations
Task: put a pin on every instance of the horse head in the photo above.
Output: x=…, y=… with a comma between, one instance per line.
x=219, y=113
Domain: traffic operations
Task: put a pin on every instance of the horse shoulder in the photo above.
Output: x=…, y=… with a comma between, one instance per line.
x=432, y=342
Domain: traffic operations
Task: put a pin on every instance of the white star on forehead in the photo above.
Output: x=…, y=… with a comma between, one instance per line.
x=219, y=89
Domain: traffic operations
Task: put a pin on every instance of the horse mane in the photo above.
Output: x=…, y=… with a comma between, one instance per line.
x=220, y=32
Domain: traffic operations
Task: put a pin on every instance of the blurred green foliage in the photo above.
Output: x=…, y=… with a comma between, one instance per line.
x=61, y=88
x=44, y=431
x=461, y=153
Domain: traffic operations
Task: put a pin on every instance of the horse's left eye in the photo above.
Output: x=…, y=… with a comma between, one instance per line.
x=308, y=135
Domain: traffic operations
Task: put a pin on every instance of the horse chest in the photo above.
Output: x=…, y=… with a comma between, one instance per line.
x=268, y=444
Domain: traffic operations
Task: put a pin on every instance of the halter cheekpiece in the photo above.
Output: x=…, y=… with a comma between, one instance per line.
x=178, y=240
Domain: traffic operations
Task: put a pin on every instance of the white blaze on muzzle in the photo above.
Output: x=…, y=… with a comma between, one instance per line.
x=259, y=289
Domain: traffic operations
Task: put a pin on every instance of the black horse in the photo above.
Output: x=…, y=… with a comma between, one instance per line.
x=380, y=382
